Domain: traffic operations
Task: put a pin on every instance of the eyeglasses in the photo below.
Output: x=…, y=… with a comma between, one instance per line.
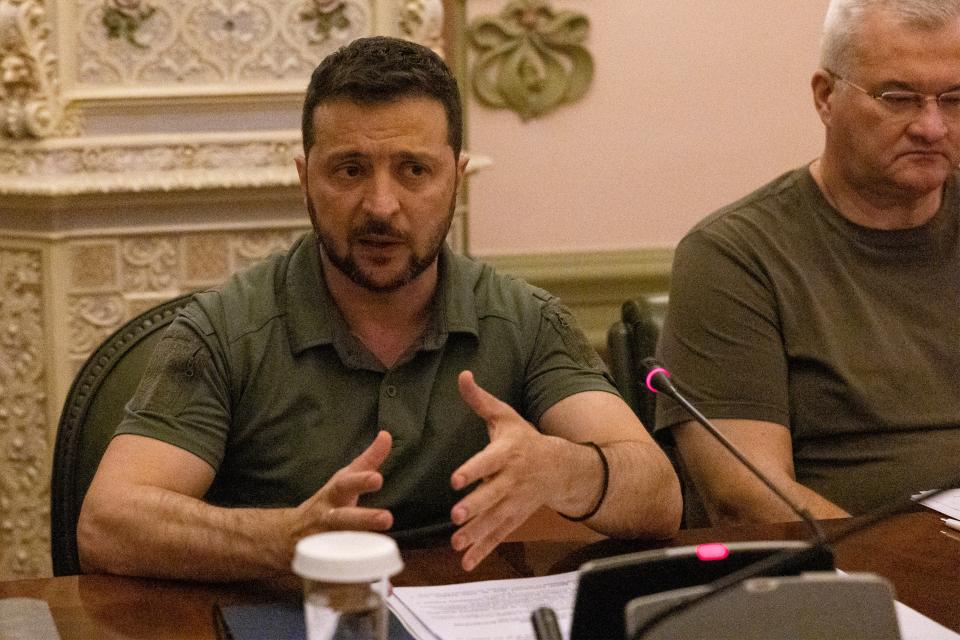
x=905, y=103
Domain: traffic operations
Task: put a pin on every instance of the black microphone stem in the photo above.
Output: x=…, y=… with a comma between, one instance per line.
x=706, y=424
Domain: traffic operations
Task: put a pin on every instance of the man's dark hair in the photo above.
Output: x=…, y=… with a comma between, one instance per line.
x=381, y=69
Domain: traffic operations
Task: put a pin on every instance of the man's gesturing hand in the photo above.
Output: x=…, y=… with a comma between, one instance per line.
x=334, y=506
x=517, y=472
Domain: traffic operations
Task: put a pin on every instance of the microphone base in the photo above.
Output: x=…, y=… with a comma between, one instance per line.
x=605, y=586
x=811, y=605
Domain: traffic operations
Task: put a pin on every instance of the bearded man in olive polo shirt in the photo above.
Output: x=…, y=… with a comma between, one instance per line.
x=369, y=378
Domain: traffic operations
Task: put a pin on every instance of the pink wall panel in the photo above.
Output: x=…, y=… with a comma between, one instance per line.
x=693, y=104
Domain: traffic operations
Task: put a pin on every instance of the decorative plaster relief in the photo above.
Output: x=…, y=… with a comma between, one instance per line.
x=30, y=104
x=227, y=42
x=92, y=319
x=90, y=165
x=150, y=263
x=248, y=248
x=154, y=268
x=531, y=58
x=206, y=259
x=422, y=21
x=94, y=266
x=24, y=468
x=122, y=19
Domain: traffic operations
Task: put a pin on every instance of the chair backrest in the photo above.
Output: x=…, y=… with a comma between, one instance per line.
x=630, y=340
x=93, y=409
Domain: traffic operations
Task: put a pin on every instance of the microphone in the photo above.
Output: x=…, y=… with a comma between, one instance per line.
x=657, y=380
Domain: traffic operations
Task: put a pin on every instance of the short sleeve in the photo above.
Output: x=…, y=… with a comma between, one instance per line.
x=182, y=397
x=721, y=339
x=562, y=362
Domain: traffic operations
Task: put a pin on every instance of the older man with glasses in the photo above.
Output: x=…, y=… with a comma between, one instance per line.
x=817, y=320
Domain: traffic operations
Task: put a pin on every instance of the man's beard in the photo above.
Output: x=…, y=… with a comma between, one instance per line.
x=346, y=264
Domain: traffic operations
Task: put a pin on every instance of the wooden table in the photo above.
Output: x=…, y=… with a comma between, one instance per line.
x=922, y=563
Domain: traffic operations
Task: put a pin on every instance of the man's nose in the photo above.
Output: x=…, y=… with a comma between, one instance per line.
x=930, y=124
x=381, y=197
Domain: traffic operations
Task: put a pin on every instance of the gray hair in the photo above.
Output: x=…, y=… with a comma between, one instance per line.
x=846, y=17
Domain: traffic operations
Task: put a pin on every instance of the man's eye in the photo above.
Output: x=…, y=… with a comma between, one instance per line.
x=415, y=170
x=950, y=100
x=349, y=170
x=899, y=99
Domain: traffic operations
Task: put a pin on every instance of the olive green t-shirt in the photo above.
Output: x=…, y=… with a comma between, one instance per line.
x=262, y=379
x=782, y=310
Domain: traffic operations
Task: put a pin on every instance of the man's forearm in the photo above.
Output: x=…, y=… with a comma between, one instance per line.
x=149, y=531
x=643, y=493
x=754, y=502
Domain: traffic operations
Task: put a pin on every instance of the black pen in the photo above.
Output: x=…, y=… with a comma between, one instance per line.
x=545, y=625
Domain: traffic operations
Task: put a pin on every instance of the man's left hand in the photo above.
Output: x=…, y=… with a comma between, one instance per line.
x=517, y=473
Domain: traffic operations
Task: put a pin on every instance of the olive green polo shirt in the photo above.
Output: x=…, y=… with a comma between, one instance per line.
x=263, y=380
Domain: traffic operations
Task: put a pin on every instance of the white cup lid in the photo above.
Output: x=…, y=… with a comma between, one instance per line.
x=347, y=556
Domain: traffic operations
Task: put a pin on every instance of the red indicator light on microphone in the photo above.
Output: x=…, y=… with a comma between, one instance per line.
x=712, y=551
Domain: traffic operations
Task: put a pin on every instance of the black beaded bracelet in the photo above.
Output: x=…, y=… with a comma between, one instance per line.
x=603, y=488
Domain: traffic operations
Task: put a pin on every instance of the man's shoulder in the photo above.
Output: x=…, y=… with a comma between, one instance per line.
x=499, y=293
x=250, y=297
x=773, y=203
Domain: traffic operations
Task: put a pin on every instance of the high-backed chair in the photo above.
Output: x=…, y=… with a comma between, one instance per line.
x=93, y=409
x=630, y=340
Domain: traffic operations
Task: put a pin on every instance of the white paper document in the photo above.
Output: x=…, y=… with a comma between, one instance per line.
x=489, y=610
x=947, y=503
x=916, y=626
x=500, y=610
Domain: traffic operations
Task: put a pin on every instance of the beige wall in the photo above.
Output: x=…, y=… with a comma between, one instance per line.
x=694, y=103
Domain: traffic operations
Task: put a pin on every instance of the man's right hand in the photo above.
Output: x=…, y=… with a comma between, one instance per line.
x=334, y=506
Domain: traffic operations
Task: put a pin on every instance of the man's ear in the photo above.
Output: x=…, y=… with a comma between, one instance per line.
x=301, y=163
x=823, y=85
x=462, y=165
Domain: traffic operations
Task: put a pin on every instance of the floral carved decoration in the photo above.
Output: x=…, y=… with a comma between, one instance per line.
x=30, y=104
x=326, y=16
x=531, y=58
x=123, y=18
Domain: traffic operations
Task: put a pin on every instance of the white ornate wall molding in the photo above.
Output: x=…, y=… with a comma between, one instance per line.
x=166, y=162
x=30, y=101
x=142, y=50
x=230, y=45
x=24, y=483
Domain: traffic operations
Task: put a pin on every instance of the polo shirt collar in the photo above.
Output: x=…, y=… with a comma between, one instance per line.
x=313, y=318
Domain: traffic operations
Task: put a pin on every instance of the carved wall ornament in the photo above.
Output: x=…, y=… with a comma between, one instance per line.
x=24, y=486
x=531, y=58
x=422, y=21
x=150, y=264
x=122, y=19
x=324, y=16
x=30, y=105
x=163, y=163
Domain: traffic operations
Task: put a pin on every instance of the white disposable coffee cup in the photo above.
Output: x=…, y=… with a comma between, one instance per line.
x=345, y=577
